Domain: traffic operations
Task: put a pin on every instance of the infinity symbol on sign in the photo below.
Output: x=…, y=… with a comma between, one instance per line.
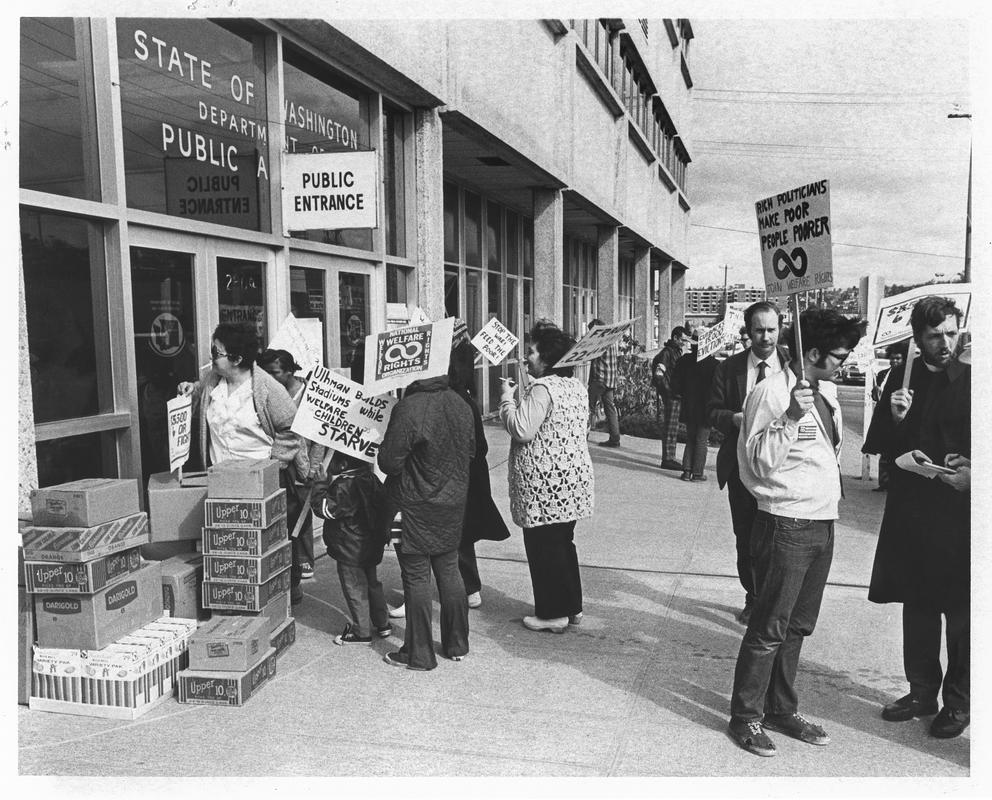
x=795, y=263
x=398, y=352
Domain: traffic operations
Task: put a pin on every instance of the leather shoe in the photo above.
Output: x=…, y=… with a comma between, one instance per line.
x=905, y=708
x=670, y=463
x=949, y=723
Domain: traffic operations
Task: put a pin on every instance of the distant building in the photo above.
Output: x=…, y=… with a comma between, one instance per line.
x=705, y=306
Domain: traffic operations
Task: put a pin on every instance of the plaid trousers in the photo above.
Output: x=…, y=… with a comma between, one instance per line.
x=668, y=410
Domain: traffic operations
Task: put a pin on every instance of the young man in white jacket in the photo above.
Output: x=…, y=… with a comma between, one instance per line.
x=787, y=452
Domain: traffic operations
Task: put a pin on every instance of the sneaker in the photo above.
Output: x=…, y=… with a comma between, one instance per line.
x=796, y=726
x=687, y=476
x=475, y=600
x=949, y=723
x=455, y=658
x=400, y=659
x=398, y=612
x=907, y=707
x=556, y=625
x=698, y=478
x=575, y=619
x=384, y=633
x=610, y=443
x=306, y=573
x=350, y=636
x=669, y=463
x=752, y=737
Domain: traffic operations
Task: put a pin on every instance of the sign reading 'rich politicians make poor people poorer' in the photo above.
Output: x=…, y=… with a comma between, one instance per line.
x=794, y=232
x=330, y=191
x=397, y=358
x=342, y=415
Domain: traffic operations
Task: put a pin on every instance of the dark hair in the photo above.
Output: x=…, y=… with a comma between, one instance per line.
x=898, y=349
x=240, y=341
x=283, y=358
x=461, y=368
x=541, y=324
x=551, y=344
x=932, y=311
x=594, y=322
x=678, y=331
x=824, y=329
x=755, y=308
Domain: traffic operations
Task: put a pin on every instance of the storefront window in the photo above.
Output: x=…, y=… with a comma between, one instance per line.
x=473, y=230
x=307, y=299
x=528, y=248
x=241, y=293
x=61, y=266
x=324, y=113
x=473, y=301
x=494, y=236
x=394, y=179
x=451, y=223
x=451, y=308
x=193, y=110
x=396, y=279
x=57, y=141
x=354, y=313
x=75, y=457
x=512, y=244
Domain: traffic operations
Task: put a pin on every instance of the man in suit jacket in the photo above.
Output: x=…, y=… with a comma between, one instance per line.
x=733, y=380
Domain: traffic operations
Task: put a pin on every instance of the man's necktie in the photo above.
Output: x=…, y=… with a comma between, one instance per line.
x=762, y=366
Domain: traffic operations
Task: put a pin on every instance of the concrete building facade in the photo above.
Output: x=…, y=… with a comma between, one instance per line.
x=527, y=169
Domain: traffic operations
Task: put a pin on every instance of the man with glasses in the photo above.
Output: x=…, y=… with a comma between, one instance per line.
x=923, y=556
x=788, y=457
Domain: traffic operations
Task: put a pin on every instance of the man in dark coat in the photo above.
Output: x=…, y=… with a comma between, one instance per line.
x=922, y=559
x=733, y=380
x=425, y=453
x=669, y=403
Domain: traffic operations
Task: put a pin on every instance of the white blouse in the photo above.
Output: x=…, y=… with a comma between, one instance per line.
x=235, y=431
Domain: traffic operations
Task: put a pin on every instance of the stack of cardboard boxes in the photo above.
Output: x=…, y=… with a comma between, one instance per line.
x=92, y=591
x=246, y=581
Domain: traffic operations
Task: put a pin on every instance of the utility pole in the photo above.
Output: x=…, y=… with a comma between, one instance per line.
x=967, y=222
x=725, y=287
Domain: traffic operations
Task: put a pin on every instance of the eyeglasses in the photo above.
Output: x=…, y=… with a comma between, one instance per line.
x=216, y=354
x=840, y=357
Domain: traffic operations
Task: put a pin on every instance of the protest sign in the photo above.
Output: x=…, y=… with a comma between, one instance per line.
x=892, y=323
x=397, y=358
x=710, y=340
x=180, y=413
x=794, y=234
x=733, y=321
x=594, y=343
x=303, y=339
x=418, y=317
x=343, y=415
x=495, y=341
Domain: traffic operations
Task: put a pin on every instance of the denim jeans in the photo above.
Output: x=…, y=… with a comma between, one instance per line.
x=419, y=638
x=791, y=560
x=362, y=592
x=598, y=390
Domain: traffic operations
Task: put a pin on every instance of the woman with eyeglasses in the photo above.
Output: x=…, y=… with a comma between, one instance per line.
x=244, y=412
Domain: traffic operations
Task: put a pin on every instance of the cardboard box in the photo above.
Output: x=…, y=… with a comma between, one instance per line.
x=229, y=644
x=225, y=688
x=163, y=551
x=85, y=503
x=255, y=478
x=25, y=643
x=283, y=636
x=244, y=541
x=237, y=513
x=45, y=577
x=248, y=569
x=91, y=622
x=243, y=596
x=175, y=511
x=276, y=611
x=181, y=580
x=76, y=545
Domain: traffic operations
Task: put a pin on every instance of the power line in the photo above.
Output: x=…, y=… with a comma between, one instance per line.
x=770, y=101
x=842, y=94
x=842, y=244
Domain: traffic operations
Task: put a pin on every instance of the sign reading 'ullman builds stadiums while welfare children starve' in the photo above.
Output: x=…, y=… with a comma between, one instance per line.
x=330, y=191
x=794, y=231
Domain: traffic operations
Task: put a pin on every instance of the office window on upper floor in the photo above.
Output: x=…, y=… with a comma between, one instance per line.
x=396, y=128
x=58, y=148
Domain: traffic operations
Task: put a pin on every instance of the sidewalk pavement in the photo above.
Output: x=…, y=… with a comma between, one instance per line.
x=640, y=689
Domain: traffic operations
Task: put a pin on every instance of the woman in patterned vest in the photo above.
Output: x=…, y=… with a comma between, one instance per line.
x=550, y=476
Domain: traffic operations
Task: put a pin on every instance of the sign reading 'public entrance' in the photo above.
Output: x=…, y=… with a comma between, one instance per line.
x=330, y=191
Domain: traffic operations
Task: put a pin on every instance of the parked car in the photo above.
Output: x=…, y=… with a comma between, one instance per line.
x=852, y=374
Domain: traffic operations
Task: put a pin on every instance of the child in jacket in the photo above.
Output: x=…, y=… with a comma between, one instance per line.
x=352, y=502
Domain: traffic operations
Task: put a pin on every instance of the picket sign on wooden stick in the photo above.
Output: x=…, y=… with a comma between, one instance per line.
x=910, y=357
x=799, y=336
x=306, y=500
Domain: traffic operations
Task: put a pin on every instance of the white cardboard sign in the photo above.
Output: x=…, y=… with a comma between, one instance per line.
x=180, y=413
x=303, y=339
x=495, y=341
x=342, y=415
x=733, y=321
x=594, y=343
x=892, y=323
x=330, y=191
x=710, y=341
x=794, y=235
x=398, y=357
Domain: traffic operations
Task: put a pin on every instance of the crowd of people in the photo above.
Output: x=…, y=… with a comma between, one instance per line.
x=777, y=409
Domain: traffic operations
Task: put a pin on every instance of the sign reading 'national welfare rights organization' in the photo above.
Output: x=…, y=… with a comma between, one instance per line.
x=330, y=191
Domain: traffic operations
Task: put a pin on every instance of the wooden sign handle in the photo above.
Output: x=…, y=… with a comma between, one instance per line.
x=910, y=356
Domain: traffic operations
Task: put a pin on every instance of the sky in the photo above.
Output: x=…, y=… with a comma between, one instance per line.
x=778, y=103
